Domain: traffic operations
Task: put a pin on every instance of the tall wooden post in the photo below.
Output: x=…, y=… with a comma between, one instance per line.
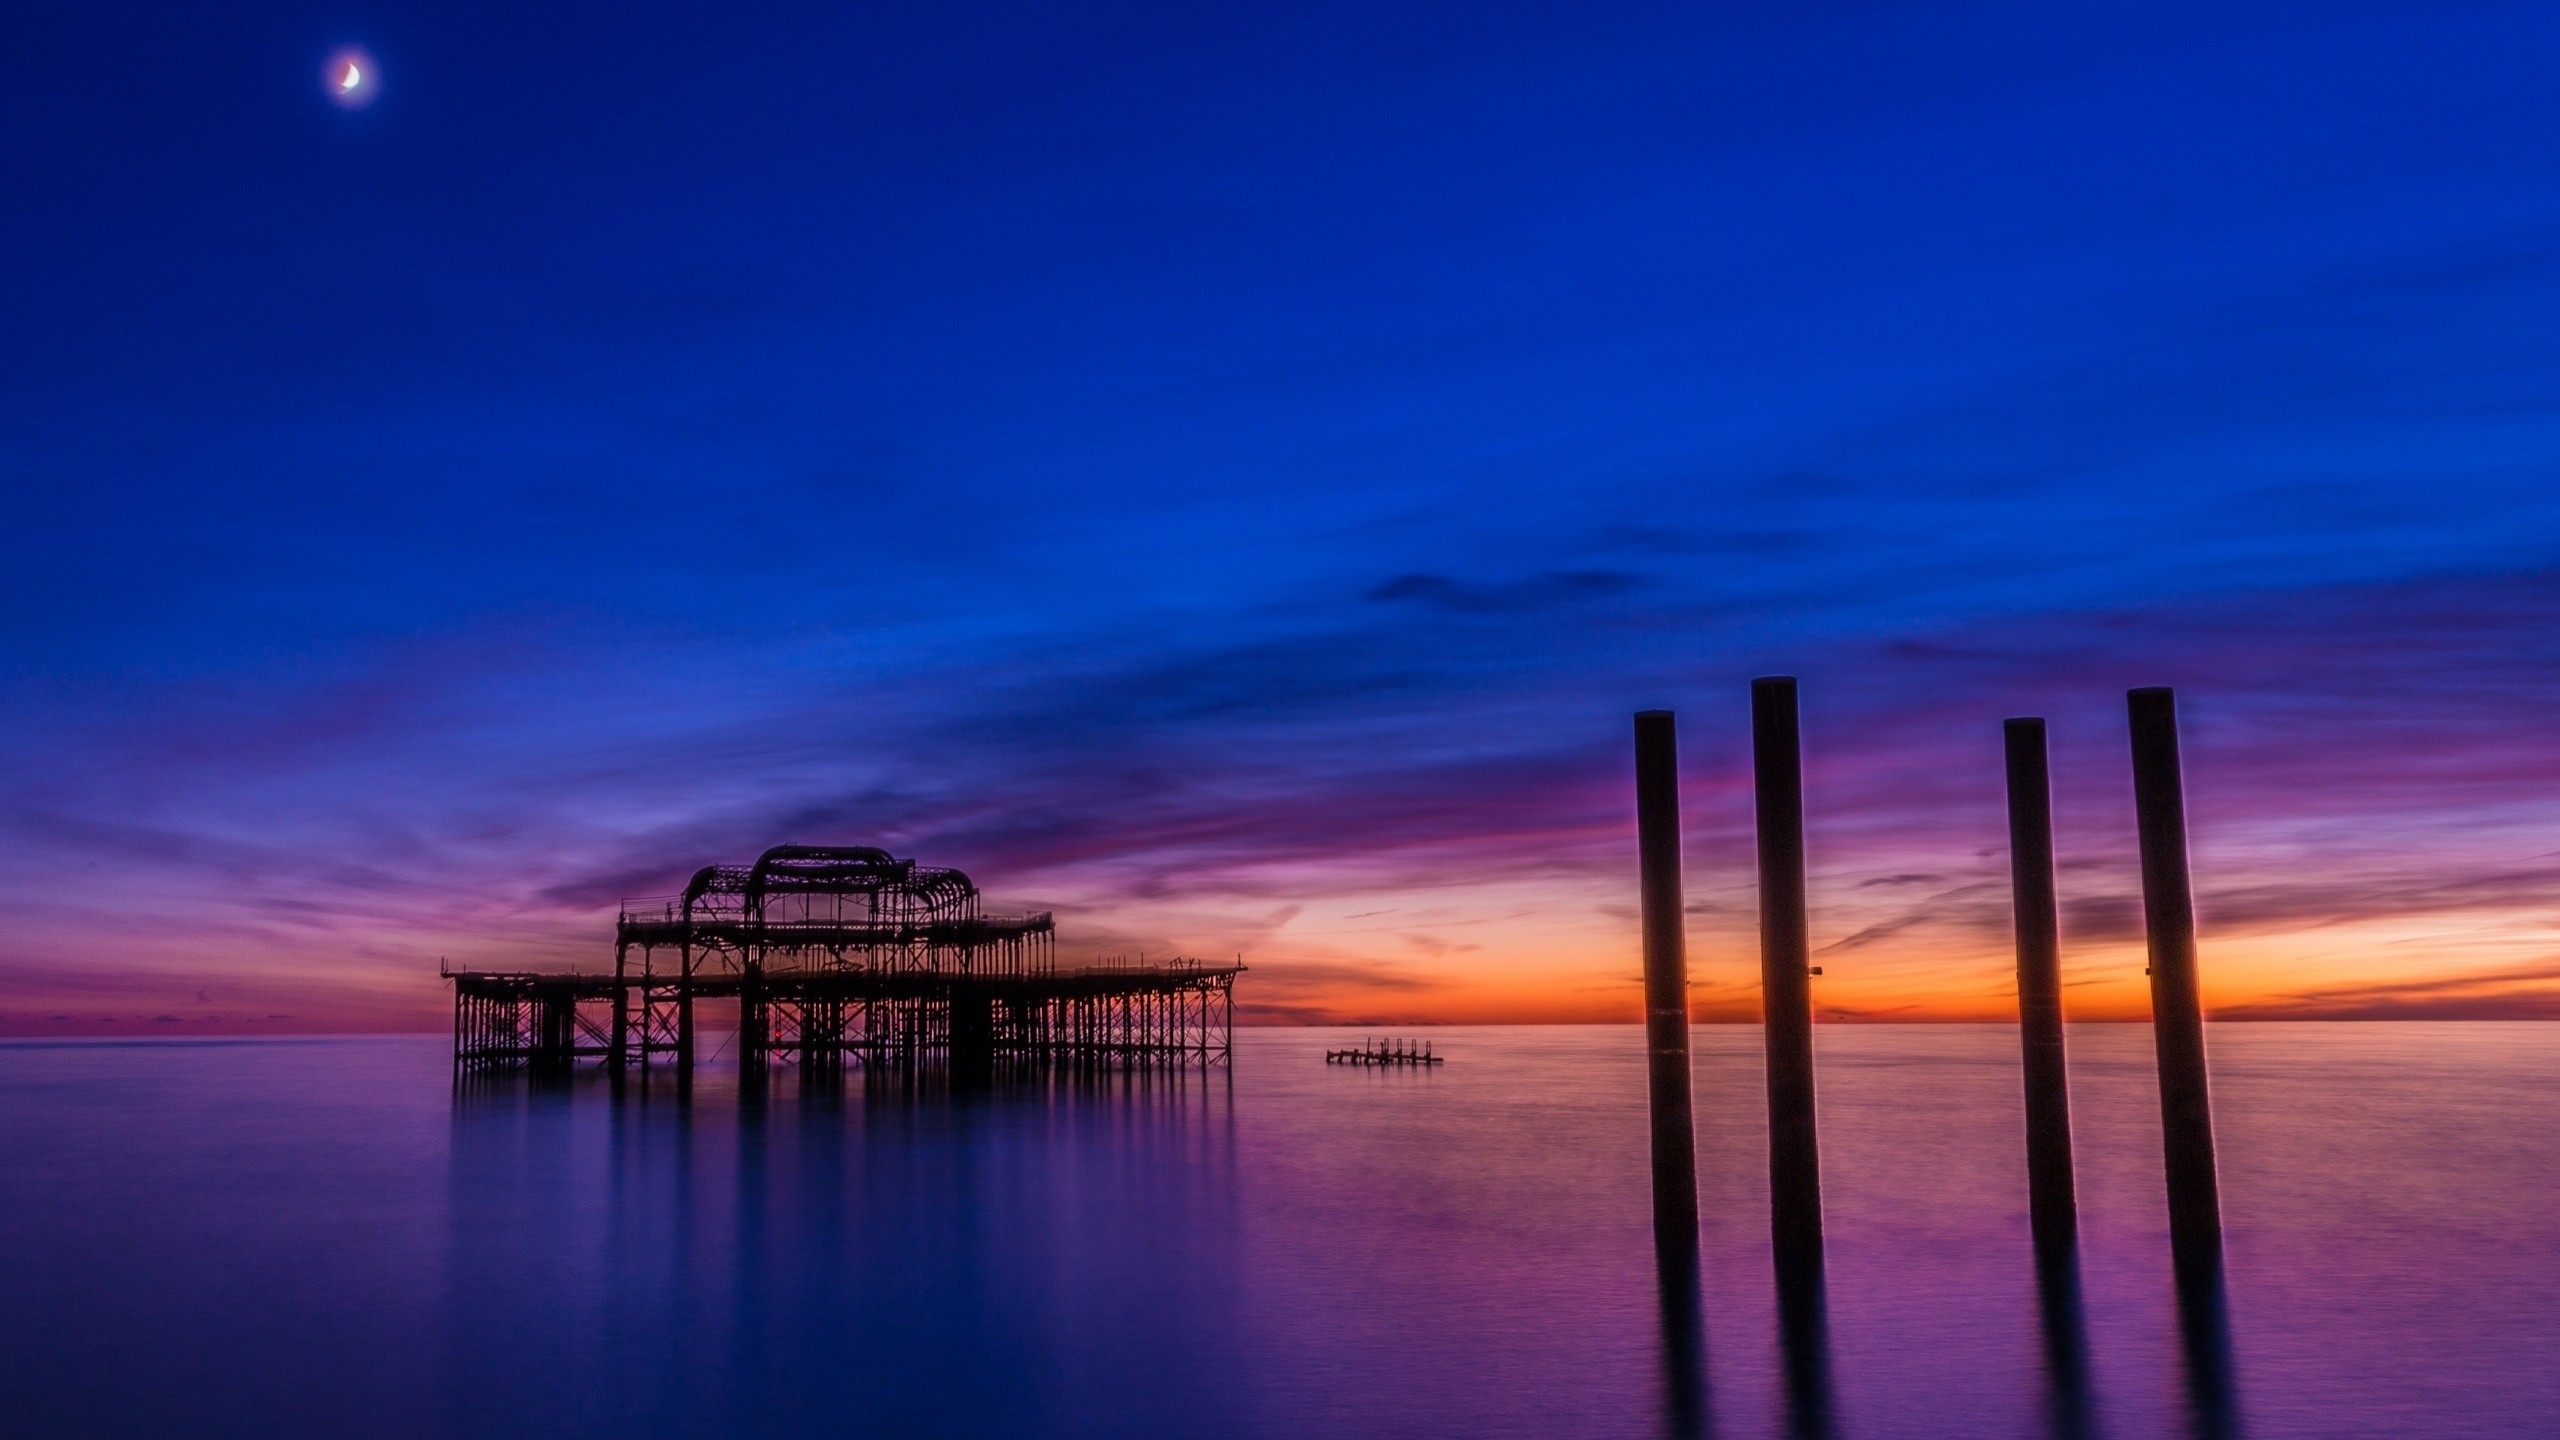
x=1786, y=990
x=2177, y=1010
x=2051, y=1203
x=1666, y=984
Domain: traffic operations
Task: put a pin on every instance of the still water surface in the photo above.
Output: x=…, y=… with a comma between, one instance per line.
x=283, y=1238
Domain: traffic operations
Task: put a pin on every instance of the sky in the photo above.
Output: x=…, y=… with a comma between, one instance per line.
x=1227, y=474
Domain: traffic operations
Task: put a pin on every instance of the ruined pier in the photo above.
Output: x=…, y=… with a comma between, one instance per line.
x=837, y=955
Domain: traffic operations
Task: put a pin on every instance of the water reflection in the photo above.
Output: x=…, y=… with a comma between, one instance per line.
x=2204, y=1342
x=249, y=1240
x=2064, y=1326
x=1687, y=1411
x=728, y=1264
x=1804, y=1346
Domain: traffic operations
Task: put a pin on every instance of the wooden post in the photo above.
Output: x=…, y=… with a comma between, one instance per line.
x=1666, y=984
x=2177, y=1010
x=2052, y=1205
x=1786, y=989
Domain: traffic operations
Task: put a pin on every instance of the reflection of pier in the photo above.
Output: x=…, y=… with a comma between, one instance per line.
x=835, y=954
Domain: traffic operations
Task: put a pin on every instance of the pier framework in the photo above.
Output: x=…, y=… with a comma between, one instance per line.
x=841, y=955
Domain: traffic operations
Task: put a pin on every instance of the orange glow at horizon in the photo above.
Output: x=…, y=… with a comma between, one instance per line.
x=1344, y=963
x=1897, y=942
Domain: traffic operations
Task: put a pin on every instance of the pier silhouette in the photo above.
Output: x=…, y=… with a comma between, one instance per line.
x=838, y=955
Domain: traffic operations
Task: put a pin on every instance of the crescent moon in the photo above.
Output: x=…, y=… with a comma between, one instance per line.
x=352, y=78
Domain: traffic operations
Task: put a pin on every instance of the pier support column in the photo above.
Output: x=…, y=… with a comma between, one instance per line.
x=1666, y=984
x=752, y=1030
x=821, y=1028
x=555, y=1029
x=684, y=1024
x=1786, y=989
x=2051, y=1201
x=973, y=1036
x=620, y=1053
x=2177, y=1008
x=461, y=1033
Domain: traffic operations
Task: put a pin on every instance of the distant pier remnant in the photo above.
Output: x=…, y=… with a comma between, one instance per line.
x=2052, y=1204
x=1666, y=983
x=2177, y=1011
x=1786, y=990
x=836, y=955
x=1385, y=1052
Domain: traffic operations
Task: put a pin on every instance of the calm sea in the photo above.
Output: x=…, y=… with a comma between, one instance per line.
x=316, y=1238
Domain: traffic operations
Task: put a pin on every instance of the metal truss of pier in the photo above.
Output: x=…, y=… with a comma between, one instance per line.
x=840, y=955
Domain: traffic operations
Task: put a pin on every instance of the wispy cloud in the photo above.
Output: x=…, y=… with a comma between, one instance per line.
x=2522, y=992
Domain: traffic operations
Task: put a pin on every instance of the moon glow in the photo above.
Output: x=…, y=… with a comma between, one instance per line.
x=350, y=77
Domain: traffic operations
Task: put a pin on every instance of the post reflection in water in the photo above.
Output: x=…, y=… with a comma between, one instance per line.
x=1687, y=1409
x=1804, y=1347
x=2064, y=1326
x=2204, y=1343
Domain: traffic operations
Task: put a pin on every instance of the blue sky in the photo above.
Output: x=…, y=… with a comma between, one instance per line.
x=1182, y=466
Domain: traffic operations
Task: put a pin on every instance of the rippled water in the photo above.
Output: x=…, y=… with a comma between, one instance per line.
x=317, y=1238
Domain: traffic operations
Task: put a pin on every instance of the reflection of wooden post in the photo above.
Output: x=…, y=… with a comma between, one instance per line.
x=1666, y=983
x=1684, y=1345
x=2050, y=1201
x=1804, y=1343
x=2177, y=1010
x=1786, y=992
x=2066, y=1339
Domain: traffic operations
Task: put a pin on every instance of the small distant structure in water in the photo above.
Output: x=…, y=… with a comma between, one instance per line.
x=837, y=955
x=1385, y=1052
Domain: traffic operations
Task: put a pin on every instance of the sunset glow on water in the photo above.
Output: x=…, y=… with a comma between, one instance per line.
x=245, y=1239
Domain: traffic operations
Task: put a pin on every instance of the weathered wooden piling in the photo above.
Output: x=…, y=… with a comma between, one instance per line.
x=2177, y=1011
x=1786, y=989
x=1666, y=982
x=2052, y=1206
